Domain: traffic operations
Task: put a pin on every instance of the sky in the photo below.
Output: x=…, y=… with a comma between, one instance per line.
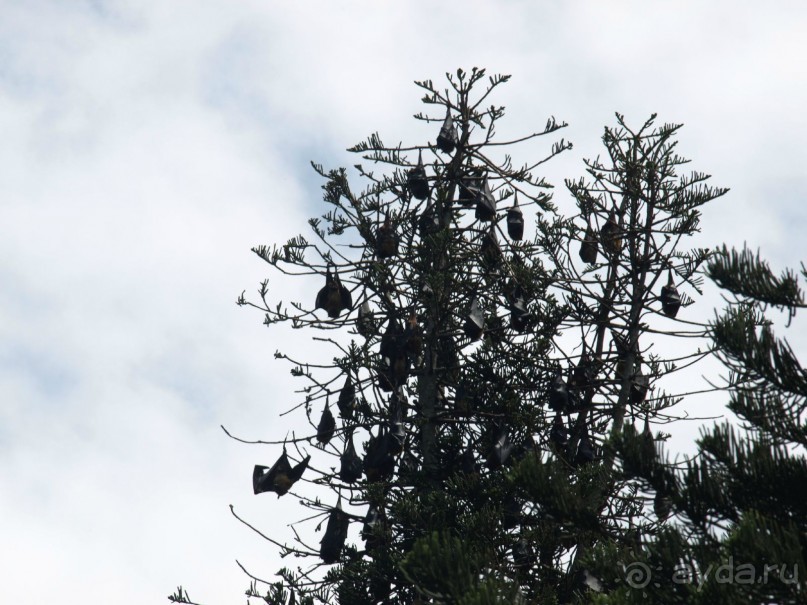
x=146, y=146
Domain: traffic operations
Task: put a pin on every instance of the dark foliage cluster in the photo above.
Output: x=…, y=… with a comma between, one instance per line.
x=739, y=528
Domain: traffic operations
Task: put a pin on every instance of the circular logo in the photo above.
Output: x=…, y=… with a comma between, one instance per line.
x=637, y=574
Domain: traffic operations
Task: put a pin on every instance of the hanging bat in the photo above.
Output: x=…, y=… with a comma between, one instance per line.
x=558, y=393
x=447, y=139
x=393, y=371
x=585, y=451
x=386, y=240
x=397, y=429
x=515, y=221
x=379, y=461
x=639, y=386
x=335, y=535
x=347, y=399
x=490, y=250
x=624, y=347
x=640, y=267
x=280, y=477
x=416, y=181
x=485, y=203
x=662, y=505
x=584, y=373
x=399, y=366
x=413, y=336
x=501, y=450
x=588, y=247
x=385, y=381
x=429, y=222
x=333, y=297
x=326, y=426
x=390, y=340
x=558, y=434
x=394, y=364
x=373, y=530
x=609, y=235
x=670, y=299
x=474, y=322
x=350, y=464
x=520, y=318
x=398, y=401
x=365, y=325
x=468, y=190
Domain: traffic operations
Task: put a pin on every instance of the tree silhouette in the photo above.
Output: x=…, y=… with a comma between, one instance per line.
x=483, y=362
x=740, y=504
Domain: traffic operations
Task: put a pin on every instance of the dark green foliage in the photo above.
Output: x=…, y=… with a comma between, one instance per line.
x=740, y=531
x=744, y=274
x=447, y=570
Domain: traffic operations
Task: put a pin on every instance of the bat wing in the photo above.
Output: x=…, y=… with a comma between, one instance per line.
x=297, y=472
x=257, y=478
x=346, y=298
x=322, y=298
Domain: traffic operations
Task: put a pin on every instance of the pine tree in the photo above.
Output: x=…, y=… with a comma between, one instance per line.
x=483, y=362
x=741, y=504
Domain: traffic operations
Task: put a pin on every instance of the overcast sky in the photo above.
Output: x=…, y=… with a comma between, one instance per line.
x=146, y=146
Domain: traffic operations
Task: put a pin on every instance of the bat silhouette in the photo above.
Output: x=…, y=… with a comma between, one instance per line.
x=335, y=535
x=588, y=247
x=515, y=221
x=333, y=297
x=485, y=203
x=280, y=477
x=417, y=181
x=670, y=299
x=386, y=240
x=447, y=139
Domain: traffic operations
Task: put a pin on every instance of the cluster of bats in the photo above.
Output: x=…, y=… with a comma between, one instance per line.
x=400, y=344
